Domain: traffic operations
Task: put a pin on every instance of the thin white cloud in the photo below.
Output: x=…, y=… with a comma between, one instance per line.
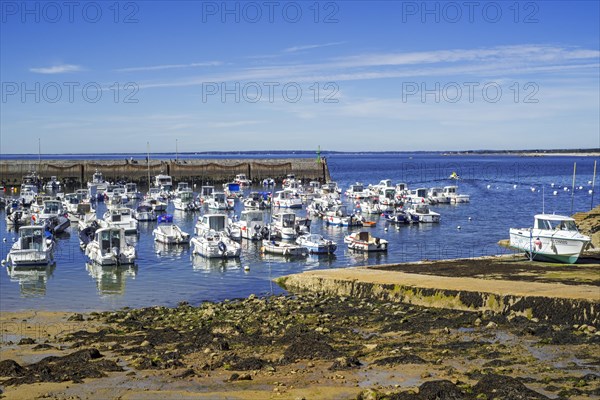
x=310, y=46
x=170, y=66
x=56, y=69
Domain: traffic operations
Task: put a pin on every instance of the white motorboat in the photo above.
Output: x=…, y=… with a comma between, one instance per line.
x=50, y=208
x=163, y=182
x=218, y=201
x=255, y=201
x=57, y=224
x=553, y=238
x=205, y=193
x=28, y=194
x=213, y=244
x=182, y=187
x=217, y=223
x=16, y=214
x=436, y=195
x=185, y=202
x=268, y=182
x=364, y=241
x=121, y=217
x=339, y=216
x=454, y=197
x=418, y=195
x=283, y=248
x=372, y=206
x=287, y=198
x=420, y=212
x=145, y=212
x=53, y=184
x=169, y=233
x=357, y=191
x=283, y=225
x=97, y=185
x=242, y=180
x=316, y=244
x=32, y=248
x=132, y=192
x=251, y=225
x=109, y=247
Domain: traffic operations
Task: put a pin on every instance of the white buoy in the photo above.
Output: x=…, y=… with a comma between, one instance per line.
x=580, y=187
x=4, y=240
x=158, y=252
x=590, y=191
x=470, y=218
x=489, y=186
x=246, y=268
x=533, y=189
x=566, y=189
x=458, y=227
x=514, y=186
x=385, y=229
x=552, y=184
x=555, y=192
x=589, y=182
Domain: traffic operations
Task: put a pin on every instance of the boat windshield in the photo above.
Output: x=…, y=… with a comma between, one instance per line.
x=287, y=220
x=556, y=225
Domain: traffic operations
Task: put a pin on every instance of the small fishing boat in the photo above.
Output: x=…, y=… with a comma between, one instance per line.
x=169, y=233
x=451, y=192
x=287, y=198
x=268, y=182
x=422, y=213
x=182, y=187
x=145, y=212
x=397, y=217
x=436, y=195
x=363, y=241
x=205, y=193
x=251, y=225
x=213, y=244
x=418, y=195
x=283, y=248
x=163, y=182
x=358, y=191
x=316, y=244
x=242, y=180
x=121, y=217
x=218, y=201
x=132, y=192
x=255, y=201
x=34, y=247
x=16, y=214
x=339, y=216
x=283, y=225
x=553, y=238
x=57, y=224
x=185, y=202
x=28, y=194
x=218, y=223
x=53, y=184
x=97, y=185
x=109, y=247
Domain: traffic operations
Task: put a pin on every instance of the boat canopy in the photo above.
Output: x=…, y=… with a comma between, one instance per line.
x=554, y=222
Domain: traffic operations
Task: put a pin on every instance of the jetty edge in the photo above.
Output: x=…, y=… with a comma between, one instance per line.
x=181, y=169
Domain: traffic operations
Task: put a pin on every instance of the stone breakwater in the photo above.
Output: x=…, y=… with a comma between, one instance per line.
x=191, y=170
x=432, y=285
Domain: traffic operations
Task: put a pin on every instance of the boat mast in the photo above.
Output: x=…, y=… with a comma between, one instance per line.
x=148, y=163
x=176, y=152
x=573, y=186
x=593, y=183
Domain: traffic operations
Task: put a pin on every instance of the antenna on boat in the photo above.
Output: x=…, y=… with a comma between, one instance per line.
x=573, y=186
x=593, y=184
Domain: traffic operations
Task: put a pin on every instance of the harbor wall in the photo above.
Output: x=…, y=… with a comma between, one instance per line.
x=190, y=170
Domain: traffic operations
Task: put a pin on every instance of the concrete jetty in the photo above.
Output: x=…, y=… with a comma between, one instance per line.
x=190, y=170
x=554, y=293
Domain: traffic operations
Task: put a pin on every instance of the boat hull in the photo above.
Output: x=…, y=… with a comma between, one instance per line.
x=544, y=247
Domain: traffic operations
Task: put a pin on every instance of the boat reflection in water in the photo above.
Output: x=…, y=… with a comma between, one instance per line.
x=171, y=250
x=110, y=279
x=32, y=279
x=204, y=264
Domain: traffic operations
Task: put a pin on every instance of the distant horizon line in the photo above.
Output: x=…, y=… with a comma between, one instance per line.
x=325, y=152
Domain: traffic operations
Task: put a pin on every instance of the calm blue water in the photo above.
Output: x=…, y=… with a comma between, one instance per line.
x=173, y=275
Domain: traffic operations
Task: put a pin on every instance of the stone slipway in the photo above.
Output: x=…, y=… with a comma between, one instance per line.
x=555, y=302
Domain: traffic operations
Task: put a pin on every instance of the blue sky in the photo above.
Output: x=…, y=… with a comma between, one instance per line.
x=345, y=75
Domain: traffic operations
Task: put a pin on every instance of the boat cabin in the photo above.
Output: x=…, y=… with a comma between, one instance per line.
x=216, y=222
x=249, y=216
x=554, y=222
x=97, y=177
x=285, y=220
x=164, y=182
x=109, y=238
x=119, y=214
x=32, y=238
x=206, y=191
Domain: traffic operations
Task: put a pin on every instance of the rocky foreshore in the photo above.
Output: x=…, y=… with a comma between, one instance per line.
x=308, y=346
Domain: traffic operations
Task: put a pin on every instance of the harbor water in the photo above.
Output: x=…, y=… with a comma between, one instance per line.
x=505, y=191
